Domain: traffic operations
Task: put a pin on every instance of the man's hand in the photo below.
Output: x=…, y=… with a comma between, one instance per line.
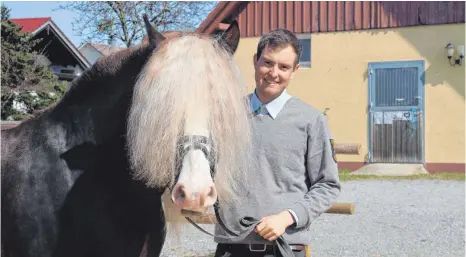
x=271, y=227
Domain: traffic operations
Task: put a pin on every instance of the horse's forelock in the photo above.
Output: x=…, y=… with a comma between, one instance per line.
x=189, y=73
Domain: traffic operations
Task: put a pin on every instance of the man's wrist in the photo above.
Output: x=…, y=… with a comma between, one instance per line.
x=288, y=217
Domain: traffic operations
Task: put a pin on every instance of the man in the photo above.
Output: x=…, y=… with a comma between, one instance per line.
x=296, y=178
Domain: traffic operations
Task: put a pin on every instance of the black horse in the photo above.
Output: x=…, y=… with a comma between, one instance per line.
x=85, y=177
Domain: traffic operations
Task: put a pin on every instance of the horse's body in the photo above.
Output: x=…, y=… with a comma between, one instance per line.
x=68, y=175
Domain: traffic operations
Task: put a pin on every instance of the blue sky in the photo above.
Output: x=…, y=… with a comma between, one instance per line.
x=33, y=9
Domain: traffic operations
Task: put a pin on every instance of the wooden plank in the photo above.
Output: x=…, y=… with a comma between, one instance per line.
x=378, y=5
x=432, y=12
x=403, y=15
x=281, y=14
x=345, y=148
x=250, y=31
x=306, y=17
x=459, y=11
x=273, y=15
x=340, y=16
x=423, y=13
x=366, y=18
x=265, y=17
x=358, y=15
x=442, y=15
x=413, y=13
x=349, y=15
x=242, y=21
x=315, y=16
x=393, y=14
x=298, y=17
x=373, y=14
x=332, y=16
x=450, y=12
x=289, y=19
x=384, y=14
x=323, y=16
x=257, y=18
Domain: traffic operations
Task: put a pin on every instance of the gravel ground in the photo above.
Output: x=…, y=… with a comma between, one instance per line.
x=393, y=218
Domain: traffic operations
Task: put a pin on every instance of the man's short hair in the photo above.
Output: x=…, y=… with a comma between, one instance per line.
x=279, y=38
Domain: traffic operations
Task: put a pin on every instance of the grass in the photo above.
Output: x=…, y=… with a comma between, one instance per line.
x=345, y=175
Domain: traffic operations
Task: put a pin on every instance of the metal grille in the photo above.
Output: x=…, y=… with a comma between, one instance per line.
x=396, y=136
x=396, y=87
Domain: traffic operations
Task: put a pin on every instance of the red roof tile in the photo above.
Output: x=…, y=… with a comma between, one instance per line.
x=30, y=24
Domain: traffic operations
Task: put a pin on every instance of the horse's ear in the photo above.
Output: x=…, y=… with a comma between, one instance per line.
x=154, y=37
x=231, y=37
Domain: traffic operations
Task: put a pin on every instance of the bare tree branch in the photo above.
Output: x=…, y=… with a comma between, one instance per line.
x=121, y=20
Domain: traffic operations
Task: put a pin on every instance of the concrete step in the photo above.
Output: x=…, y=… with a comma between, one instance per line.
x=390, y=169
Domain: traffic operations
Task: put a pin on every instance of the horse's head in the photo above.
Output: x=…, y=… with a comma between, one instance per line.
x=188, y=127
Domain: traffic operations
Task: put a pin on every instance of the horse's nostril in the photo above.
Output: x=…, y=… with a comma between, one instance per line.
x=209, y=197
x=212, y=192
x=179, y=194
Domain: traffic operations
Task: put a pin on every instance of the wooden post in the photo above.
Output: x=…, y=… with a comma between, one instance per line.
x=347, y=148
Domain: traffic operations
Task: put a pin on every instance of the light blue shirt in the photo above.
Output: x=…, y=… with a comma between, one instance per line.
x=272, y=108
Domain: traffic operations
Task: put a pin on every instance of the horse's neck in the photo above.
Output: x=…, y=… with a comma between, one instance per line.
x=90, y=121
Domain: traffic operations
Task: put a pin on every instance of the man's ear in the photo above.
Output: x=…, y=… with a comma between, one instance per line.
x=295, y=70
x=254, y=59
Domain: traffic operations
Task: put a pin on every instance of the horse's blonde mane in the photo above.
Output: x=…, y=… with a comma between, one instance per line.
x=187, y=73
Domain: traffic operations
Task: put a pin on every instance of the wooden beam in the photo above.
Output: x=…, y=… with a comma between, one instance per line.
x=347, y=148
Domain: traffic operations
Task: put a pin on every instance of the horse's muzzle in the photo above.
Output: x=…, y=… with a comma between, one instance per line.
x=188, y=200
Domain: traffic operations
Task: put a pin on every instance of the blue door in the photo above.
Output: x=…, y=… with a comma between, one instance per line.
x=396, y=112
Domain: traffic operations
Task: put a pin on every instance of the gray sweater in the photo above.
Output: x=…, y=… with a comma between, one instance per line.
x=295, y=170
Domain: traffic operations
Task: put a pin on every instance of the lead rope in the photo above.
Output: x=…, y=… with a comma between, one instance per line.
x=249, y=223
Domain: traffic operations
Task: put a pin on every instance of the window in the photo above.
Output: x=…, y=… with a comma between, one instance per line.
x=305, y=60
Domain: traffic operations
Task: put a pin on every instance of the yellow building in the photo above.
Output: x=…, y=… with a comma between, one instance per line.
x=379, y=70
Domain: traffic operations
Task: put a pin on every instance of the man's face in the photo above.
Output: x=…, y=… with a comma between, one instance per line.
x=274, y=70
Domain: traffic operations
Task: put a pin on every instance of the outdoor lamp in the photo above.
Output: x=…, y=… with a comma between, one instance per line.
x=450, y=52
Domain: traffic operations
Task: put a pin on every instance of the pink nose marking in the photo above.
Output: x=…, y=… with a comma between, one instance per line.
x=185, y=199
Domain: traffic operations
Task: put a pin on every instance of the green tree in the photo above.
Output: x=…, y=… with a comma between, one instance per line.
x=27, y=86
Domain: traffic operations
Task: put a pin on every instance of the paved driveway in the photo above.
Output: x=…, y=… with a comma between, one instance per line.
x=393, y=218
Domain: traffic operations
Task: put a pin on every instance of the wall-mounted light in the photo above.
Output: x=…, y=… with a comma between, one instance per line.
x=451, y=51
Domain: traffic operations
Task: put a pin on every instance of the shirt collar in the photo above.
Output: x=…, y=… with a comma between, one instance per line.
x=274, y=106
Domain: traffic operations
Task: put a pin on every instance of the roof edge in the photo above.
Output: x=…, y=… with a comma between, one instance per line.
x=65, y=40
x=220, y=12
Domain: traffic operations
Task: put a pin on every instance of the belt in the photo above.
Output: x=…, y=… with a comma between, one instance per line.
x=264, y=248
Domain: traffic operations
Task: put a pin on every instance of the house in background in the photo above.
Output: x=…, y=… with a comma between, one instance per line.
x=93, y=51
x=55, y=49
x=381, y=69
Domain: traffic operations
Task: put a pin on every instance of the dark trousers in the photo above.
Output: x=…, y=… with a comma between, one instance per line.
x=239, y=250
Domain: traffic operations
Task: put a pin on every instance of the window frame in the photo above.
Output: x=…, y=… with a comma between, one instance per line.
x=305, y=37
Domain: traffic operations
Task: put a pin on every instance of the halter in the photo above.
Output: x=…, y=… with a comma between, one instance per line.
x=196, y=142
x=205, y=144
